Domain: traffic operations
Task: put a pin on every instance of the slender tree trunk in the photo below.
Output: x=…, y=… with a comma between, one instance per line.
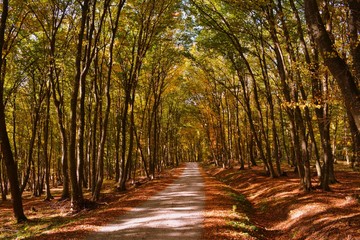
x=59, y=103
x=117, y=146
x=238, y=139
x=45, y=148
x=140, y=149
x=14, y=128
x=60, y=117
x=31, y=147
x=81, y=139
x=76, y=195
x=123, y=168
x=275, y=153
x=155, y=159
x=37, y=172
x=131, y=137
x=2, y=178
x=94, y=127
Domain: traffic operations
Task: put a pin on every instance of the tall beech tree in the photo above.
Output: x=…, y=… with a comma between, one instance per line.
x=89, y=31
x=51, y=25
x=6, y=150
x=101, y=149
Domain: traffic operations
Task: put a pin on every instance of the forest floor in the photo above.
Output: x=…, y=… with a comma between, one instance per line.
x=279, y=209
x=240, y=204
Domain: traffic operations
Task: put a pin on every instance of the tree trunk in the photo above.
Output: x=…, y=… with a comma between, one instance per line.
x=11, y=165
x=355, y=136
x=131, y=137
x=336, y=65
x=46, y=141
x=354, y=28
x=60, y=117
x=140, y=149
x=76, y=195
x=31, y=148
x=101, y=151
x=117, y=146
x=297, y=124
x=2, y=179
x=275, y=153
x=123, y=168
x=59, y=103
x=239, y=154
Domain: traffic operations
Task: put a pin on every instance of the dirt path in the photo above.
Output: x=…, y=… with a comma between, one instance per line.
x=175, y=213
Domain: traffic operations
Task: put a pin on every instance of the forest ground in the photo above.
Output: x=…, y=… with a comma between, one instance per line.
x=240, y=204
x=279, y=209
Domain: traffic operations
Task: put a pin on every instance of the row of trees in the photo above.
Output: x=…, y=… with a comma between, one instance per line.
x=89, y=89
x=113, y=89
x=276, y=76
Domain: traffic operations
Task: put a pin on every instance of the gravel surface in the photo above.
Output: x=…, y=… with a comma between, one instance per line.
x=174, y=213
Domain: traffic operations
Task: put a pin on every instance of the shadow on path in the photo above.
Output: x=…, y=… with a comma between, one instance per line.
x=174, y=213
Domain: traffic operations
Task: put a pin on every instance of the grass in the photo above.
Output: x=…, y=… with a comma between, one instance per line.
x=241, y=223
x=34, y=227
x=243, y=226
x=264, y=205
x=242, y=201
x=238, y=219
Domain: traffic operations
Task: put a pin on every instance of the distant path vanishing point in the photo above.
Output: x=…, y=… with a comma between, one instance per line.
x=174, y=213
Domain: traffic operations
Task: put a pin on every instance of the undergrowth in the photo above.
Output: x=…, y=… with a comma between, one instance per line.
x=239, y=220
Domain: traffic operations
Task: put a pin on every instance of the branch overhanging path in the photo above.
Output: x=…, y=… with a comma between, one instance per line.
x=174, y=213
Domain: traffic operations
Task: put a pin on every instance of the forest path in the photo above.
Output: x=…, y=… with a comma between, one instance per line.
x=174, y=213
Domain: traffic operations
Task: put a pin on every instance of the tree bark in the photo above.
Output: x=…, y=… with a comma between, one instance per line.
x=354, y=28
x=45, y=147
x=31, y=147
x=336, y=65
x=11, y=165
x=76, y=196
x=297, y=124
x=123, y=168
x=2, y=188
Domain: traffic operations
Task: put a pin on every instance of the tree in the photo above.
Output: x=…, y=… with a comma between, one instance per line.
x=104, y=130
x=51, y=26
x=4, y=139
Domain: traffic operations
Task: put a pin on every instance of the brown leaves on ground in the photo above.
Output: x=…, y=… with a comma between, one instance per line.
x=226, y=212
x=281, y=210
